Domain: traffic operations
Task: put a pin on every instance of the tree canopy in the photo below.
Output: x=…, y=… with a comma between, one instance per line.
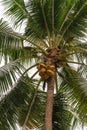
x=53, y=44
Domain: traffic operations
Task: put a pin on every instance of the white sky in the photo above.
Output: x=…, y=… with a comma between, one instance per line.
x=1, y=15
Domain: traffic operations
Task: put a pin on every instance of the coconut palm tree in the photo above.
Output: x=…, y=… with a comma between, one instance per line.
x=43, y=81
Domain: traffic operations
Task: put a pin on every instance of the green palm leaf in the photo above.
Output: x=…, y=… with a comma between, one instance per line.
x=11, y=43
x=61, y=116
x=8, y=40
x=36, y=117
x=9, y=75
x=77, y=19
x=11, y=103
x=16, y=10
x=75, y=87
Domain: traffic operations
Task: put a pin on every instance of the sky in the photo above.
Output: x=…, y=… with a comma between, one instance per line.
x=2, y=16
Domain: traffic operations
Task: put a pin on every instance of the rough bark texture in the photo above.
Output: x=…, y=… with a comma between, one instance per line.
x=49, y=104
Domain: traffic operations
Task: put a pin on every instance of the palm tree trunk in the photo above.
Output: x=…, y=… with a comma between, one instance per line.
x=49, y=104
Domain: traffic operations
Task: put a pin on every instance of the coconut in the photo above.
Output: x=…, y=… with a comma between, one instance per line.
x=52, y=68
x=42, y=72
x=42, y=65
x=50, y=73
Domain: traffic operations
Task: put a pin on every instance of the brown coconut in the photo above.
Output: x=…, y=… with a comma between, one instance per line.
x=42, y=72
x=50, y=73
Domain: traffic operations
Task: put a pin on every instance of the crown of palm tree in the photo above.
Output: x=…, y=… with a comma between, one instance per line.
x=53, y=43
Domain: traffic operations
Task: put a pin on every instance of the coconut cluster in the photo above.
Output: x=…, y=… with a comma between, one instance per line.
x=46, y=70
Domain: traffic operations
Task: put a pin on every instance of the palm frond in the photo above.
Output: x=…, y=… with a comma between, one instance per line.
x=62, y=12
x=36, y=20
x=76, y=23
x=11, y=43
x=26, y=54
x=82, y=50
x=75, y=88
x=61, y=116
x=9, y=74
x=16, y=10
x=12, y=102
x=8, y=38
x=41, y=27
x=36, y=117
